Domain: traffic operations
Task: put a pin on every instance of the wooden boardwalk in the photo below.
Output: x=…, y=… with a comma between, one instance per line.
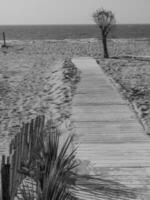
x=108, y=132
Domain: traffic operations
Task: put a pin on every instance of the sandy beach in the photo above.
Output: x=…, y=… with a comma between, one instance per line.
x=32, y=79
x=26, y=72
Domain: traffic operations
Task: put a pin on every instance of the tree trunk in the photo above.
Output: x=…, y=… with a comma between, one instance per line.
x=104, y=39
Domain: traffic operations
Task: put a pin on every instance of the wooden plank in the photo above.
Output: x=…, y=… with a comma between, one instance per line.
x=104, y=112
x=31, y=138
x=109, y=135
x=5, y=175
x=20, y=150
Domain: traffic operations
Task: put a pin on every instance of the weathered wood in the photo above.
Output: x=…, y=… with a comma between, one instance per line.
x=13, y=183
x=4, y=40
x=22, y=139
x=20, y=151
x=5, y=178
x=108, y=133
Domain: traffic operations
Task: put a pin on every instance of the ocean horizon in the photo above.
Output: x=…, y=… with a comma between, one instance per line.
x=60, y=32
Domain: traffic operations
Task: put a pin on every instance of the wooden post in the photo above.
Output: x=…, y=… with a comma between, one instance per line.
x=4, y=39
x=5, y=176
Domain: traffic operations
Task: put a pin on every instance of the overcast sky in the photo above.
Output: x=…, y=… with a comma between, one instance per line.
x=71, y=11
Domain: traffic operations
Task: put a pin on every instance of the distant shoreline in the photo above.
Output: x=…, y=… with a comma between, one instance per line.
x=72, y=40
x=119, y=24
x=61, y=32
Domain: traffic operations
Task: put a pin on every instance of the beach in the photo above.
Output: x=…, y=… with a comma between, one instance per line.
x=32, y=84
x=26, y=71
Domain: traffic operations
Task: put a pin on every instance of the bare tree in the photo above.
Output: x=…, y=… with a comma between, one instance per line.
x=105, y=21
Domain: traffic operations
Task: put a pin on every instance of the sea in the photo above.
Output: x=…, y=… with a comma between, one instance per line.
x=60, y=32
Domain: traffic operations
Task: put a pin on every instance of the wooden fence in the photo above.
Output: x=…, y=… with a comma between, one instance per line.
x=21, y=163
x=15, y=167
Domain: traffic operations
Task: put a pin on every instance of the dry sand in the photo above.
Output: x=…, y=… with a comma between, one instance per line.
x=31, y=76
x=26, y=75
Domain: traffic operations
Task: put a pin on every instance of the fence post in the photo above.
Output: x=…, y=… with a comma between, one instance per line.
x=5, y=176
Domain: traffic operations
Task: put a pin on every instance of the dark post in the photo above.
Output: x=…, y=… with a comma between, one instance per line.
x=5, y=176
x=4, y=39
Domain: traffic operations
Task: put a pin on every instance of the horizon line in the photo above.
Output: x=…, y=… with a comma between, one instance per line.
x=70, y=24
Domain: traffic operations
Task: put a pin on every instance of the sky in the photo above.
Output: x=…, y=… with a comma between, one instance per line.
x=71, y=11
